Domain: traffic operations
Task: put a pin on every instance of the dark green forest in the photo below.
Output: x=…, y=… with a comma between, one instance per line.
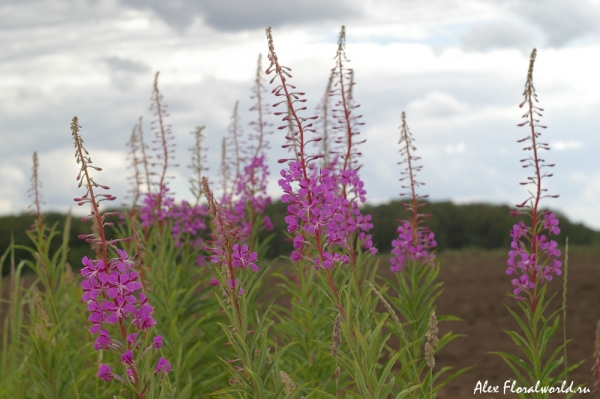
x=481, y=226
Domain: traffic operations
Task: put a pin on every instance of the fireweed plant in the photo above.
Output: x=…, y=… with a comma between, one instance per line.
x=253, y=372
x=415, y=290
x=315, y=219
x=110, y=290
x=534, y=259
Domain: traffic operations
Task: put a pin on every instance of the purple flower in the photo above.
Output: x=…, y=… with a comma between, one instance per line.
x=131, y=338
x=296, y=256
x=104, y=373
x=533, y=267
x=268, y=224
x=411, y=246
x=298, y=242
x=158, y=342
x=163, y=366
x=242, y=257
x=314, y=205
x=127, y=357
x=103, y=340
x=116, y=310
x=91, y=289
x=123, y=285
x=143, y=319
x=551, y=223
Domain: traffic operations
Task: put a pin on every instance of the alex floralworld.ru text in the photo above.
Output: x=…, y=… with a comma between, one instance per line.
x=510, y=387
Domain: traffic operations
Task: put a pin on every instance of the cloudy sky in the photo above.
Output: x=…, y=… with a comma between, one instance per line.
x=457, y=67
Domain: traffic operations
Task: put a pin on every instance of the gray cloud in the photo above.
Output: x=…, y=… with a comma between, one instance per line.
x=561, y=21
x=500, y=34
x=123, y=69
x=118, y=64
x=237, y=15
x=530, y=23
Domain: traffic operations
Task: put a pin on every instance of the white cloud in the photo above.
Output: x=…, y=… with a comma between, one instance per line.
x=437, y=105
x=455, y=149
x=566, y=145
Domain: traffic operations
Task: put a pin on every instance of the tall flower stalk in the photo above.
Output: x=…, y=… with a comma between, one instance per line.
x=109, y=290
x=156, y=204
x=251, y=185
x=35, y=193
x=324, y=109
x=198, y=163
x=310, y=193
x=414, y=241
x=164, y=136
x=534, y=259
x=415, y=290
x=252, y=372
x=353, y=227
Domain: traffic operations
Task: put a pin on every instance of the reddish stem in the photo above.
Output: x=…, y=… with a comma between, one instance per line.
x=538, y=183
x=303, y=164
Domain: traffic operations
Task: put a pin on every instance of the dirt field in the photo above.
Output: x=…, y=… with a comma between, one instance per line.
x=475, y=290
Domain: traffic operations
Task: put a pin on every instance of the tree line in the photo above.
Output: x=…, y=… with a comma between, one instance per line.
x=483, y=226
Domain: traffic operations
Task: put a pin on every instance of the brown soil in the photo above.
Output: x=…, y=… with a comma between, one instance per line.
x=476, y=285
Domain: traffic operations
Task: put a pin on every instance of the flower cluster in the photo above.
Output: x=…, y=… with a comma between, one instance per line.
x=188, y=220
x=110, y=294
x=156, y=207
x=538, y=266
x=345, y=163
x=412, y=246
x=313, y=210
x=226, y=252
